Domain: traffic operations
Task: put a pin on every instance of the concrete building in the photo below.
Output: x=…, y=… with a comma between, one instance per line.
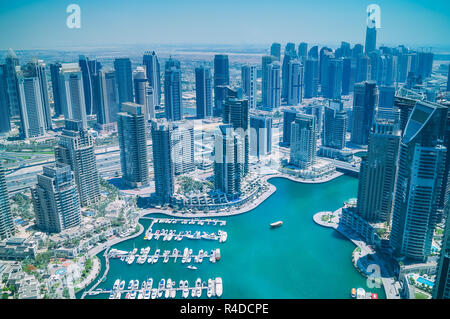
x=6, y=223
x=248, y=84
x=260, y=135
x=365, y=100
x=303, y=141
x=203, y=92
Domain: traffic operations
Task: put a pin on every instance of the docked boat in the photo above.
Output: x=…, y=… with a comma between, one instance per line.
x=161, y=286
x=173, y=291
x=353, y=292
x=198, y=288
x=116, y=284
x=130, y=284
x=185, y=289
x=200, y=256
x=112, y=295
x=147, y=294
x=133, y=295
x=276, y=224
x=360, y=293
x=122, y=285
x=209, y=291
x=218, y=254
x=219, y=287
x=134, y=251
x=149, y=283
x=136, y=285
x=141, y=295
x=374, y=296
x=154, y=293
x=168, y=287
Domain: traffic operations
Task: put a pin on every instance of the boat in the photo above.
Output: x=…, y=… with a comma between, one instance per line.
x=173, y=291
x=168, y=287
x=141, y=294
x=122, y=285
x=133, y=295
x=185, y=289
x=161, y=286
x=144, y=285
x=116, y=284
x=154, y=293
x=147, y=294
x=191, y=267
x=360, y=293
x=219, y=287
x=276, y=224
x=136, y=285
x=198, y=287
x=200, y=256
x=117, y=295
x=209, y=291
x=374, y=296
x=218, y=254
x=212, y=256
x=353, y=292
x=149, y=283
x=134, y=251
x=130, y=284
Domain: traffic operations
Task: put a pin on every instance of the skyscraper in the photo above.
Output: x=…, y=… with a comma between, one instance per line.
x=182, y=147
x=348, y=75
x=275, y=50
x=5, y=120
x=248, y=84
x=124, y=79
x=163, y=161
x=12, y=63
x=334, y=126
x=419, y=181
x=371, y=39
x=133, y=144
x=71, y=93
x=273, y=86
x=289, y=116
x=55, y=199
x=203, y=92
x=265, y=61
x=311, y=78
x=221, y=75
x=362, y=68
x=441, y=287
x=173, y=91
x=303, y=141
x=153, y=74
x=139, y=83
x=332, y=82
x=6, y=221
x=295, y=82
x=228, y=161
x=89, y=68
x=236, y=114
x=55, y=70
x=76, y=149
x=150, y=100
x=260, y=135
x=106, y=90
x=302, y=51
x=365, y=99
x=289, y=54
x=378, y=171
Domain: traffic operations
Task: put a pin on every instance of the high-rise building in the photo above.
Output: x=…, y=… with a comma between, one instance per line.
x=425, y=64
x=5, y=120
x=55, y=199
x=365, y=99
x=89, y=68
x=72, y=93
x=378, y=171
x=108, y=99
x=124, y=79
x=150, y=101
x=6, y=222
x=325, y=55
x=173, y=91
x=273, y=86
x=236, y=113
x=203, y=92
x=303, y=141
x=302, y=51
x=32, y=116
x=229, y=160
x=133, y=144
x=275, y=51
x=362, y=68
x=139, y=83
x=289, y=116
x=441, y=287
x=163, y=161
x=55, y=70
x=371, y=39
x=221, y=75
x=332, y=82
x=153, y=74
x=248, y=84
x=76, y=149
x=182, y=147
x=12, y=64
x=348, y=75
x=265, y=61
x=260, y=135
x=295, y=82
x=419, y=181
x=288, y=56
x=334, y=126
x=311, y=78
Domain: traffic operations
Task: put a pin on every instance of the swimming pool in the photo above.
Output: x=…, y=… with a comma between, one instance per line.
x=425, y=281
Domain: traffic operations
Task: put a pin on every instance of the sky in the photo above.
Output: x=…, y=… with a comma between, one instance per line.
x=31, y=24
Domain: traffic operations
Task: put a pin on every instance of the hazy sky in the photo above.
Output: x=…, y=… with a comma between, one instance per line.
x=27, y=24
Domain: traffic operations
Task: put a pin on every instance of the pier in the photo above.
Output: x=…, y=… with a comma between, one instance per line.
x=184, y=221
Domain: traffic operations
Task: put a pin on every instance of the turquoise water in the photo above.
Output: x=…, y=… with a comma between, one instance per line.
x=297, y=260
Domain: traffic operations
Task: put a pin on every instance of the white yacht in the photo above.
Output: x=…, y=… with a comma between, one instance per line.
x=219, y=287
x=154, y=293
x=116, y=284
x=185, y=289
x=149, y=283
x=198, y=287
x=209, y=291
x=191, y=267
x=168, y=287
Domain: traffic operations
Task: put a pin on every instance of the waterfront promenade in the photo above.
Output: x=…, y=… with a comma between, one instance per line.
x=391, y=287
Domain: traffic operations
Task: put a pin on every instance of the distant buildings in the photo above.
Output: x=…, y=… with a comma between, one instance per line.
x=173, y=91
x=311, y=78
x=332, y=82
x=371, y=39
x=124, y=79
x=303, y=141
x=203, y=92
x=221, y=77
x=105, y=89
x=260, y=135
x=163, y=161
x=11, y=65
x=288, y=117
x=265, y=61
x=153, y=74
x=76, y=149
x=377, y=173
x=248, y=84
x=56, y=200
x=275, y=51
x=272, y=86
x=6, y=223
x=229, y=158
x=419, y=181
x=182, y=146
x=133, y=144
x=295, y=82
x=334, y=126
x=365, y=100
x=89, y=68
x=5, y=120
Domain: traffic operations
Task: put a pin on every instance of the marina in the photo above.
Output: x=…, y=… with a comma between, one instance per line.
x=166, y=289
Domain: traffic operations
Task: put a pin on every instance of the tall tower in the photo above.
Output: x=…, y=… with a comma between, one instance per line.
x=419, y=181
x=332, y=83
x=133, y=144
x=105, y=89
x=378, y=171
x=55, y=199
x=221, y=76
x=365, y=99
x=260, y=135
x=248, y=84
x=303, y=141
x=6, y=222
x=311, y=78
x=273, y=86
x=265, y=61
x=441, y=288
x=371, y=39
x=5, y=120
x=295, y=82
x=89, y=68
x=76, y=149
x=153, y=74
x=275, y=50
x=163, y=164
x=173, y=91
x=124, y=79
x=334, y=126
x=288, y=117
x=55, y=69
x=12, y=63
x=203, y=91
